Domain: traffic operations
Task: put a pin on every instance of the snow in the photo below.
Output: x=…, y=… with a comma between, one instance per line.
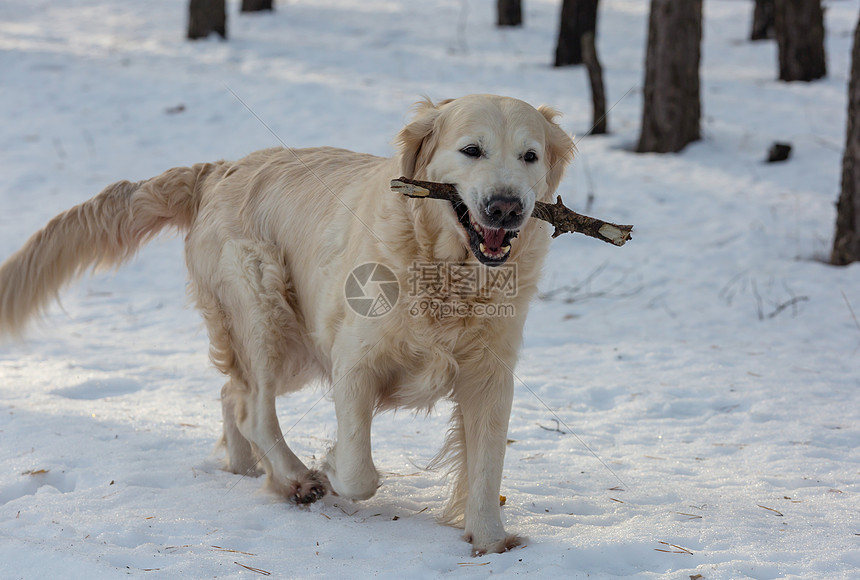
x=686, y=405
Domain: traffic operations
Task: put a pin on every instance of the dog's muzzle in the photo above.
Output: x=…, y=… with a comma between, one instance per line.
x=504, y=212
x=490, y=234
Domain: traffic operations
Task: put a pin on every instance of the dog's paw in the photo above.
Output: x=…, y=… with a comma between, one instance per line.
x=497, y=547
x=356, y=484
x=307, y=489
x=356, y=489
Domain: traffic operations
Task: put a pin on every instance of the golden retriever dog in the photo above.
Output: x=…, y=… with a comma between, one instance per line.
x=283, y=245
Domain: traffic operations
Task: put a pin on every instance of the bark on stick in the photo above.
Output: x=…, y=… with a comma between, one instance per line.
x=564, y=220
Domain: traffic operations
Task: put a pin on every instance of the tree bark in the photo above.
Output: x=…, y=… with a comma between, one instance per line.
x=595, y=79
x=846, y=243
x=510, y=12
x=206, y=17
x=256, y=5
x=578, y=17
x=762, y=25
x=799, y=26
x=671, y=107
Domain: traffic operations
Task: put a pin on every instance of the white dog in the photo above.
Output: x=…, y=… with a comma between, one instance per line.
x=286, y=249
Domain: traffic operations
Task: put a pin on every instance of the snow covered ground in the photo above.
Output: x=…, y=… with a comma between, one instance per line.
x=712, y=364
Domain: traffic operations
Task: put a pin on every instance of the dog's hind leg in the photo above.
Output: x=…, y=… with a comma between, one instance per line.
x=256, y=338
x=241, y=458
x=256, y=420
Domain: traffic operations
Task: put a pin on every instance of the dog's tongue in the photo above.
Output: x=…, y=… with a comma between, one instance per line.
x=494, y=238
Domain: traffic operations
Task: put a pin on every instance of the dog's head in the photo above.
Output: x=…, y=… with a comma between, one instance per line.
x=501, y=153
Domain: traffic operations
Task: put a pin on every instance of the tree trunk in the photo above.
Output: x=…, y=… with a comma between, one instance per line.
x=671, y=108
x=762, y=26
x=799, y=26
x=595, y=79
x=256, y=5
x=846, y=243
x=510, y=12
x=206, y=17
x=577, y=18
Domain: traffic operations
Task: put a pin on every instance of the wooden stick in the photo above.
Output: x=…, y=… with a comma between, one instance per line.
x=564, y=220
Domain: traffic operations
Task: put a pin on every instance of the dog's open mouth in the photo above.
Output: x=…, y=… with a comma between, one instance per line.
x=492, y=247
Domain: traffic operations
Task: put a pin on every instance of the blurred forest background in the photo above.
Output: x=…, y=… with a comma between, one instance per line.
x=672, y=102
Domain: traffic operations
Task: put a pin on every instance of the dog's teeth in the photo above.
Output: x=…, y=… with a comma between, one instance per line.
x=494, y=255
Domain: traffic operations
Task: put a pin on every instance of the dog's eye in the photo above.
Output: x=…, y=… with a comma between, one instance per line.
x=530, y=157
x=471, y=151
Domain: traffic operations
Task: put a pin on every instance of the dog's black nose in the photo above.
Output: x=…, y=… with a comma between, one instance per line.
x=505, y=212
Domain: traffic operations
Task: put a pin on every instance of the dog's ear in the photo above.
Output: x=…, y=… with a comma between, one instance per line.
x=560, y=148
x=417, y=140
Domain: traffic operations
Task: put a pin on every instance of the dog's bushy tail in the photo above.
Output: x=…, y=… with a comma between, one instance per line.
x=105, y=231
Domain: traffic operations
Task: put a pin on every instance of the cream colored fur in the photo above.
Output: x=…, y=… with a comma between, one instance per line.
x=271, y=239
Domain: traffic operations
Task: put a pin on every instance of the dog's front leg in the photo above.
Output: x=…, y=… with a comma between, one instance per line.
x=485, y=411
x=349, y=464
